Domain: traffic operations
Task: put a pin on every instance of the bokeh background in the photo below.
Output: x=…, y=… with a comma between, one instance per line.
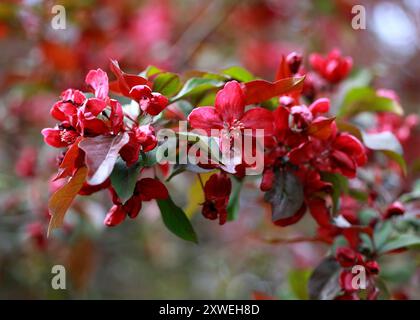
x=140, y=258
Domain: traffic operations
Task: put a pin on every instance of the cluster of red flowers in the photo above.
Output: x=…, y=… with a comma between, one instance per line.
x=348, y=258
x=103, y=118
x=304, y=153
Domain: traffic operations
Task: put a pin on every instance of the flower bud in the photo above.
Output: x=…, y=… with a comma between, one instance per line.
x=267, y=180
x=294, y=61
x=115, y=216
x=300, y=118
x=347, y=257
x=372, y=267
x=395, y=209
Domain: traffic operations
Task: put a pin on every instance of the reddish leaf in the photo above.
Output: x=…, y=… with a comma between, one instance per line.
x=321, y=128
x=69, y=163
x=257, y=91
x=125, y=81
x=283, y=71
x=101, y=152
x=286, y=198
x=61, y=200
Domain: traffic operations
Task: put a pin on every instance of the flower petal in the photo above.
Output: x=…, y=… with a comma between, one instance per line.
x=258, y=118
x=149, y=189
x=94, y=106
x=53, y=138
x=321, y=105
x=205, y=118
x=230, y=102
x=98, y=80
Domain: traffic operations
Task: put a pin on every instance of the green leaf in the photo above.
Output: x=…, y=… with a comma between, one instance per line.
x=365, y=99
x=150, y=71
x=298, y=282
x=401, y=241
x=340, y=186
x=366, y=244
x=176, y=220
x=234, y=200
x=345, y=126
x=388, y=144
x=238, y=73
x=148, y=159
x=398, y=158
x=124, y=178
x=414, y=195
x=180, y=168
x=167, y=83
x=382, y=141
x=382, y=233
x=398, y=272
x=196, y=86
x=358, y=194
x=366, y=215
x=361, y=78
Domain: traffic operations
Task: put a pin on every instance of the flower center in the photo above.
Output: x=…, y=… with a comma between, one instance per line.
x=233, y=130
x=68, y=136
